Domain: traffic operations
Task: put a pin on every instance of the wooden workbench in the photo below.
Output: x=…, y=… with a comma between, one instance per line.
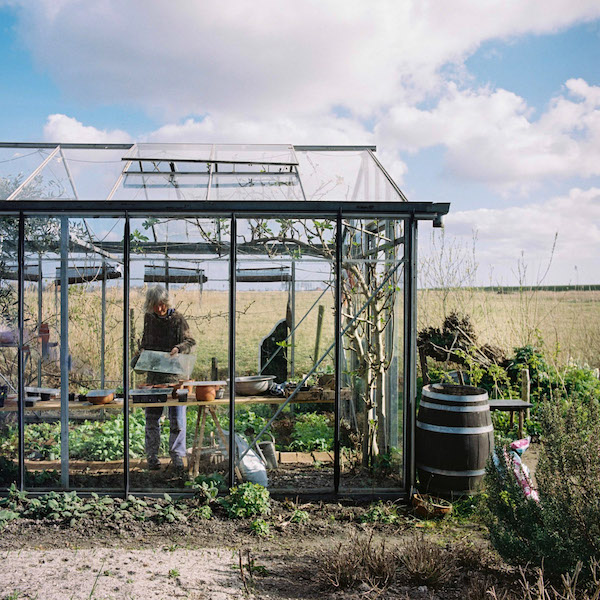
x=54, y=404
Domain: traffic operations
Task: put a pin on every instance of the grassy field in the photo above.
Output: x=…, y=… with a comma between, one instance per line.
x=567, y=323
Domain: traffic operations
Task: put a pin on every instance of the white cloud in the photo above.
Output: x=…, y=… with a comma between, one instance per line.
x=505, y=235
x=492, y=135
x=268, y=56
x=61, y=128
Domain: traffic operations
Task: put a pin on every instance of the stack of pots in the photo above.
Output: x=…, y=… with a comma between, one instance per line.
x=454, y=438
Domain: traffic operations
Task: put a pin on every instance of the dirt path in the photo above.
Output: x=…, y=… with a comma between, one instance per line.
x=119, y=574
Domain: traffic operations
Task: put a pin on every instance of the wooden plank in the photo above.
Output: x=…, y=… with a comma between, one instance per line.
x=324, y=457
x=117, y=404
x=294, y=458
x=512, y=405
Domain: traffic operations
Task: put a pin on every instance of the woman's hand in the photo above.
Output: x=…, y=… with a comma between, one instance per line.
x=175, y=351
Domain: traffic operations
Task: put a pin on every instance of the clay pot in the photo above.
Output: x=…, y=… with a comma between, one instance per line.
x=206, y=393
x=427, y=506
x=100, y=396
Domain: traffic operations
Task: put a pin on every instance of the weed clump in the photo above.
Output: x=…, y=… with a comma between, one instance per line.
x=380, y=513
x=260, y=528
x=362, y=561
x=426, y=563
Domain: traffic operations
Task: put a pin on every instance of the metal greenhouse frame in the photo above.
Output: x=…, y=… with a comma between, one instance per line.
x=230, y=183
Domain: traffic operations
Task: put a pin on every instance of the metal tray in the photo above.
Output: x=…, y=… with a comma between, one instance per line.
x=149, y=395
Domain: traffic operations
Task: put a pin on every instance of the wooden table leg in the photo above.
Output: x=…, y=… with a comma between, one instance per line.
x=521, y=419
x=213, y=414
x=198, y=439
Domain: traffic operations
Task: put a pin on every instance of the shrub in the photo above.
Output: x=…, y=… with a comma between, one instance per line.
x=564, y=527
x=247, y=500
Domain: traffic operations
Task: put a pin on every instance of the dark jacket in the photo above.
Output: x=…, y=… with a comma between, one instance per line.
x=163, y=334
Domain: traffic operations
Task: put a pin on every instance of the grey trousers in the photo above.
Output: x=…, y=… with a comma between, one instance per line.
x=177, y=430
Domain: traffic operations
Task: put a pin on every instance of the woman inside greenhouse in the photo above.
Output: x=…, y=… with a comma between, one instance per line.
x=165, y=330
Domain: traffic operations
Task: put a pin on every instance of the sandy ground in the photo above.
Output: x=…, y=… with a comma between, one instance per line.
x=119, y=574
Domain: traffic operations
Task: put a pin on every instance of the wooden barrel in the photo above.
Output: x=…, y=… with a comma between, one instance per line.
x=454, y=439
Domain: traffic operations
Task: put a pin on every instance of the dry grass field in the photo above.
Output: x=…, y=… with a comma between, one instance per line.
x=566, y=323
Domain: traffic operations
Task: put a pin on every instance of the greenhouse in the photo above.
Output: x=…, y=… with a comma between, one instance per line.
x=291, y=271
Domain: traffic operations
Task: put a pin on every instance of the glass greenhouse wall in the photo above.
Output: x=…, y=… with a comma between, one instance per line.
x=294, y=271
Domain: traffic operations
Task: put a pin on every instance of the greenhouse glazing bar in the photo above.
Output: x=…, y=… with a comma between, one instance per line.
x=410, y=349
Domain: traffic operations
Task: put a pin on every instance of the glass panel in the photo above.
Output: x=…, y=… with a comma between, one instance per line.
x=16, y=164
x=41, y=336
x=188, y=258
x=8, y=351
x=240, y=153
x=285, y=335
x=52, y=182
x=163, y=187
x=96, y=354
x=94, y=171
x=258, y=186
x=344, y=175
x=372, y=404
x=95, y=302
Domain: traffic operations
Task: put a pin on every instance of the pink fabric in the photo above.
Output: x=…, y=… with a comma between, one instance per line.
x=521, y=472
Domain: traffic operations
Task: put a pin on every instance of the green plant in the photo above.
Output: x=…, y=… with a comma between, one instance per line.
x=203, y=512
x=260, y=528
x=173, y=573
x=312, y=431
x=247, y=500
x=206, y=492
x=563, y=528
x=380, y=513
x=299, y=516
x=168, y=510
x=206, y=487
x=7, y=515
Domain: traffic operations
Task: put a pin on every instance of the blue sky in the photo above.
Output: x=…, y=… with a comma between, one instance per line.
x=493, y=106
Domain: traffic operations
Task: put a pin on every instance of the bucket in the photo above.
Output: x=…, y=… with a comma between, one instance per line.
x=268, y=451
x=454, y=438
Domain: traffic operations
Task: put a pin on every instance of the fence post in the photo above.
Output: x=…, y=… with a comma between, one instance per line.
x=526, y=388
x=214, y=369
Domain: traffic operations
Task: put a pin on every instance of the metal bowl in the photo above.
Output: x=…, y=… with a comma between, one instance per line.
x=253, y=385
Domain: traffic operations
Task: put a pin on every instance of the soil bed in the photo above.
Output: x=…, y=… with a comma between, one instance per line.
x=201, y=559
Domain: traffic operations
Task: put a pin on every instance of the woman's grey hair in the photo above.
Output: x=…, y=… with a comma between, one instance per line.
x=154, y=296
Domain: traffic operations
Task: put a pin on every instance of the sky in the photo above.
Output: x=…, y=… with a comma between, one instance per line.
x=491, y=105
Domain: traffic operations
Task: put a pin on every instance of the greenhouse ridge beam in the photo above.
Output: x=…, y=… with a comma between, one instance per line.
x=73, y=146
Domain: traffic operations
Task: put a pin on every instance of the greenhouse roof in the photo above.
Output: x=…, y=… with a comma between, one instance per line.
x=197, y=177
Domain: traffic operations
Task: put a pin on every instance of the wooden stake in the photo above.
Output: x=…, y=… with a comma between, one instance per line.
x=526, y=388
